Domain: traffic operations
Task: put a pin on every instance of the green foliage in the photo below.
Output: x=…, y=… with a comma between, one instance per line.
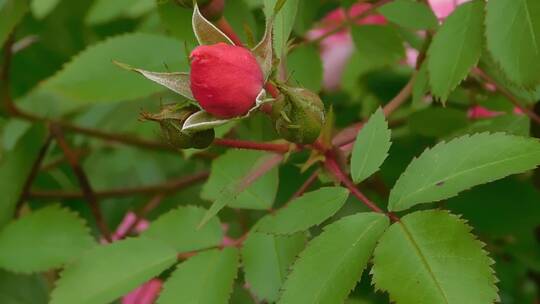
x=103, y=11
x=42, y=240
x=371, y=147
x=206, y=278
x=230, y=168
x=266, y=260
x=305, y=66
x=178, y=229
x=449, y=168
x=304, y=212
x=110, y=271
x=330, y=266
x=284, y=21
x=410, y=14
x=515, y=45
x=434, y=250
x=456, y=48
x=22, y=289
x=87, y=78
x=41, y=8
x=378, y=44
x=11, y=12
x=15, y=165
x=437, y=122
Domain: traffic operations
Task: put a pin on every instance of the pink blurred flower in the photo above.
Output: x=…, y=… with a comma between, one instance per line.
x=479, y=112
x=336, y=49
x=145, y=294
x=443, y=8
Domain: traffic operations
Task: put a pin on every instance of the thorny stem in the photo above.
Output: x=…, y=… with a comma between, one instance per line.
x=84, y=183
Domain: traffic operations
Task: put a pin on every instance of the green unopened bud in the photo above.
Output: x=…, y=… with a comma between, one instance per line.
x=298, y=115
x=171, y=119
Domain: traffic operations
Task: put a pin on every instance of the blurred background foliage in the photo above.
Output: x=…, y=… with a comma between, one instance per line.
x=91, y=92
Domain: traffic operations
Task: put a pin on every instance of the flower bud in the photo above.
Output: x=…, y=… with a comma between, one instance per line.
x=298, y=115
x=225, y=79
x=171, y=119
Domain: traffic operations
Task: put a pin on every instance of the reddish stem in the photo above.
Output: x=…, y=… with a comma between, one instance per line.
x=250, y=145
x=305, y=186
x=227, y=29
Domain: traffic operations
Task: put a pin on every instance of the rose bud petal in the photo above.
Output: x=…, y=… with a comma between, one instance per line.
x=225, y=79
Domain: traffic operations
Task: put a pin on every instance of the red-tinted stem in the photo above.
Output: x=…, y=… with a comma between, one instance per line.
x=227, y=29
x=250, y=145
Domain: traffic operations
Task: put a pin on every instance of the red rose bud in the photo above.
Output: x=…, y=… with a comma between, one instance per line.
x=225, y=79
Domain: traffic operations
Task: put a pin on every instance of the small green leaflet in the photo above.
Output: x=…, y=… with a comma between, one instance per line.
x=110, y=271
x=377, y=44
x=456, y=48
x=178, y=229
x=513, y=38
x=42, y=240
x=266, y=260
x=410, y=14
x=15, y=165
x=329, y=268
x=283, y=21
x=435, y=251
x=304, y=212
x=371, y=147
x=206, y=278
x=462, y=163
x=86, y=79
x=23, y=289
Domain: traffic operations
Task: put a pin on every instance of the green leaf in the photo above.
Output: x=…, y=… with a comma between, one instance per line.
x=371, y=147
x=332, y=264
x=45, y=239
x=178, y=229
x=91, y=77
x=177, y=21
x=22, y=289
x=103, y=11
x=11, y=12
x=456, y=48
x=511, y=124
x=410, y=14
x=305, y=66
x=421, y=86
x=230, y=168
x=283, y=22
x=15, y=166
x=108, y=272
x=266, y=260
x=304, y=212
x=431, y=257
x=513, y=38
x=378, y=44
x=205, y=31
x=206, y=278
x=178, y=82
x=264, y=50
x=464, y=162
x=41, y=8
x=437, y=122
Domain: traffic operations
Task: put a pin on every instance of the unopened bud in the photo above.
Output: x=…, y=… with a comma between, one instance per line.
x=298, y=115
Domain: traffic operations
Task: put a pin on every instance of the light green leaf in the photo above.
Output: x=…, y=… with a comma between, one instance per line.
x=266, y=260
x=421, y=86
x=205, y=31
x=283, y=22
x=410, y=14
x=11, y=12
x=371, y=147
x=15, y=166
x=110, y=271
x=22, y=289
x=103, y=11
x=206, y=278
x=431, y=257
x=464, y=162
x=91, y=77
x=329, y=268
x=305, y=66
x=42, y=240
x=178, y=229
x=456, y=48
x=41, y=8
x=230, y=168
x=513, y=38
x=378, y=44
x=304, y=212
x=178, y=82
